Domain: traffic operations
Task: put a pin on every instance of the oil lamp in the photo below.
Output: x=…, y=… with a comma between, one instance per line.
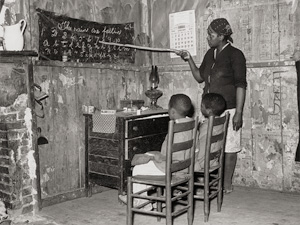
x=154, y=93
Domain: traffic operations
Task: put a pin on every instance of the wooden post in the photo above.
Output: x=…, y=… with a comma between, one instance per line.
x=297, y=158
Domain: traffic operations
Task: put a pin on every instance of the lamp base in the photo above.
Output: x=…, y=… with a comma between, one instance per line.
x=154, y=94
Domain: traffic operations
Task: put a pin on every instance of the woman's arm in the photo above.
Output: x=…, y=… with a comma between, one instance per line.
x=186, y=56
x=237, y=119
x=239, y=67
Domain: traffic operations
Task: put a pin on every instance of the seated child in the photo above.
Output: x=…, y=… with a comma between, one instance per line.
x=153, y=162
x=212, y=105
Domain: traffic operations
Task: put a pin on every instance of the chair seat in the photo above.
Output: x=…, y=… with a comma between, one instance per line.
x=160, y=180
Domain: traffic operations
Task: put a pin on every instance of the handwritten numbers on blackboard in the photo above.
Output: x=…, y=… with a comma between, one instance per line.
x=81, y=39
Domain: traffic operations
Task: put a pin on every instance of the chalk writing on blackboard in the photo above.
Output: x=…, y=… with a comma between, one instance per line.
x=80, y=39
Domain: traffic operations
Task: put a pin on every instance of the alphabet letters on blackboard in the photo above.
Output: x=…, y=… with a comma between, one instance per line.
x=79, y=39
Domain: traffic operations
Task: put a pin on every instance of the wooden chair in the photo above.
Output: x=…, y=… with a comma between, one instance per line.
x=209, y=181
x=163, y=186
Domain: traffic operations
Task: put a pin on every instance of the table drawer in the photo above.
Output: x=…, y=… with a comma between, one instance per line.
x=104, y=147
x=143, y=144
x=149, y=126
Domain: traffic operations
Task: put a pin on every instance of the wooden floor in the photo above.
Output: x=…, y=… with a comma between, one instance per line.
x=244, y=206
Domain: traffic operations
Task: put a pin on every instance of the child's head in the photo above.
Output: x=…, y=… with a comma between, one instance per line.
x=213, y=104
x=179, y=106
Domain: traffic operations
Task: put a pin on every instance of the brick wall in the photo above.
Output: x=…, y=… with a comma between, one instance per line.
x=16, y=166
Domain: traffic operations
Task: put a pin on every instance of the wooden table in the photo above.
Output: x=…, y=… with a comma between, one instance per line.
x=108, y=156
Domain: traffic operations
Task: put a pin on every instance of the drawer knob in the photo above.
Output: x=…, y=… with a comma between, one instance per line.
x=134, y=148
x=135, y=128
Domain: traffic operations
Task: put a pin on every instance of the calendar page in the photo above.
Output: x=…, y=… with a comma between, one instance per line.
x=182, y=32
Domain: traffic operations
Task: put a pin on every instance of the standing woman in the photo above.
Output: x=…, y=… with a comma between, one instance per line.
x=223, y=70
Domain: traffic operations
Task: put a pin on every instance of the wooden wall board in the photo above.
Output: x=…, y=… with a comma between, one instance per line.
x=82, y=99
x=62, y=159
x=60, y=128
x=72, y=122
x=44, y=74
x=263, y=30
x=107, y=89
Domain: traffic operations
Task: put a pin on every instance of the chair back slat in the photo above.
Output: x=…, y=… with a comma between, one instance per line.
x=182, y=146
x=216, y=138
x=217, y=141
x=219, y=120
x=215, y=155
x=181, y=127
x=178, y=166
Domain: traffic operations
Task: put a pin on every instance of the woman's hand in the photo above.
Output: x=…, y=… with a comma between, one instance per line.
x=184, y=54
x=237, y=121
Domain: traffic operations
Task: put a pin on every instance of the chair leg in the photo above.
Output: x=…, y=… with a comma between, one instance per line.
x=190, y=213
x=206, y=211
x=220, y=200
x=206, y=217
x=169, y=220
x=129, y=202
x=206, y=206
x=220, y=197
x=158, y=203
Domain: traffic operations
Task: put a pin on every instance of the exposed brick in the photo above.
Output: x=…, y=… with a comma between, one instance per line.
x=5, y=179
x=13, y=135
x=3, y=134
x=11, y=109
x=27, y=191
x=8, y=118
x=6, y=188
x=15, y=205
x=4, y=161
x=4, y=170
x=13, y=144
x=8, y=205
x=27, y=182
x=25, y=142
x=16, y=125
x=27, y=209
x=28, y=199
x=24, y=150
x=21, y=115
x=4, y=151
x=3, y=143
x=5, y=196
x=3, y=126
x=15, y=196
x=26, y=176
x=25, y=136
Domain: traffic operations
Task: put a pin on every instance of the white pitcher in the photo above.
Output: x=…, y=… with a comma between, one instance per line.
x=13, y=36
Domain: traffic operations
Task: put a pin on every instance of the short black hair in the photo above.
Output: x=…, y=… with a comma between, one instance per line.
x=214, y=102
x=181, y=103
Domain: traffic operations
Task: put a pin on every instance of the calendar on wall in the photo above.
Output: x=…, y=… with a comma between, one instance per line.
x=183, y=32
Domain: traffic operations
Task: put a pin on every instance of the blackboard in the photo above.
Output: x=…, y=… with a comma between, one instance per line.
x=79, y=39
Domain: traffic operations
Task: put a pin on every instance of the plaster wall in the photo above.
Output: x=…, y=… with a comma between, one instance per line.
x=267, y=32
